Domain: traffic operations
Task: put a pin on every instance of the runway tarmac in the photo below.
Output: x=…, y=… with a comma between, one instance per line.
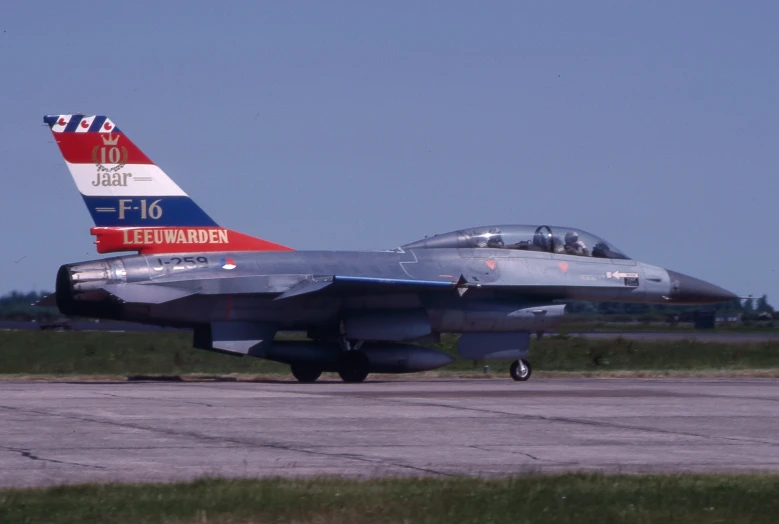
x=52, y=433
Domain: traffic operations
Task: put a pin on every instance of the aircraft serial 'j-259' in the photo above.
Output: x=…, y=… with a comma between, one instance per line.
x=363, y=311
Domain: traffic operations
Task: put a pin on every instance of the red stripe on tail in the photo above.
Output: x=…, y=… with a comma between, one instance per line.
x=99, y=148
x=157, y=240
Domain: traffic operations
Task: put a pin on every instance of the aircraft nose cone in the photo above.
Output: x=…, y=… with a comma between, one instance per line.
x=689, y=290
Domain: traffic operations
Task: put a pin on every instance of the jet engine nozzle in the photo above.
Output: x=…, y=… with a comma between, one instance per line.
x=690, y=290
x=80, y=287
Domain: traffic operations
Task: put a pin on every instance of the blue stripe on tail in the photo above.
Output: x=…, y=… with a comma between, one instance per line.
x=75, y=120
x=97, y=123
x=146, y=211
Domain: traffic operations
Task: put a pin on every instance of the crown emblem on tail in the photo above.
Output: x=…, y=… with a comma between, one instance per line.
x=110, y=139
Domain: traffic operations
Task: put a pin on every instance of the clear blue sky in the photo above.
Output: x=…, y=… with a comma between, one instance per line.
x=365, y=125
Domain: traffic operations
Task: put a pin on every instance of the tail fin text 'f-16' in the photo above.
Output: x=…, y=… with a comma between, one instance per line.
x=135, y=206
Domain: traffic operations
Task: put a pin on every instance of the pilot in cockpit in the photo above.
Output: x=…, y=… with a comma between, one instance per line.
x=491, y=238
x=574, y=246
x=494, y=238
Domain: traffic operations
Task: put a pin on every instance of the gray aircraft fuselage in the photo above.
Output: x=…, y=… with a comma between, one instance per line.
x=237, y=301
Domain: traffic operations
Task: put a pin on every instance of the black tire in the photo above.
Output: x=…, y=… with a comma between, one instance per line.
x=354, y=367
x=305, y=374
x=517, y=373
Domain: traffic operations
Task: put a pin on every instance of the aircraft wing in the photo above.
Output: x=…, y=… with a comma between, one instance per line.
x=286, y=287
x=336, y=282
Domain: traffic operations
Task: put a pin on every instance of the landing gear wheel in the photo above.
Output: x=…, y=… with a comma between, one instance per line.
x=520, y=370
x=354, y=366
x=305, y=374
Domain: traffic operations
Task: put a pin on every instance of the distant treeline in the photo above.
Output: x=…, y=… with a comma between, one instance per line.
x=749, y=309
x=20, y=306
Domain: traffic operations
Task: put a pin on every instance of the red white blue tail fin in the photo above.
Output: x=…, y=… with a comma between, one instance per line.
x=134, y=204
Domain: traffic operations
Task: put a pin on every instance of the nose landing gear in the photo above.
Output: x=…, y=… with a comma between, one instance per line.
x=520, y=370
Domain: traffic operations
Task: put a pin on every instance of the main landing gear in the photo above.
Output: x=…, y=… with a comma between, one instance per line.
x=520, y=370
x=305, y=374
x=353, y=366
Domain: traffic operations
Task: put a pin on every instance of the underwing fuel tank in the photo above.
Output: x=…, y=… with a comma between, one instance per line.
x=383, y=357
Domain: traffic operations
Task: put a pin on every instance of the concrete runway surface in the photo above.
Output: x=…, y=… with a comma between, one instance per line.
x=52, y=433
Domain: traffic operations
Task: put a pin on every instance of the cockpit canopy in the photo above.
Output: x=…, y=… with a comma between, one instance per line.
x=549, y=239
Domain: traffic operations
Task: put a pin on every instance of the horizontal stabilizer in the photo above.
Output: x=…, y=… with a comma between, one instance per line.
x=239, y=338
x=146, y=293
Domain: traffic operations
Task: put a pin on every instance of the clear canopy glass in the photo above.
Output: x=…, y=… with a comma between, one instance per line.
x=549, y=239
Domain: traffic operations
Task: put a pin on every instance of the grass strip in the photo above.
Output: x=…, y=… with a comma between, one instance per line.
x=127, y=354
x=579, y=498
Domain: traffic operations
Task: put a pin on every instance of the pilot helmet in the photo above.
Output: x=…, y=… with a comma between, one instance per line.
x=571, y=237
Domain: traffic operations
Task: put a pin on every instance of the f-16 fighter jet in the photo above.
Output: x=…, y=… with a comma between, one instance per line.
x=364, y=311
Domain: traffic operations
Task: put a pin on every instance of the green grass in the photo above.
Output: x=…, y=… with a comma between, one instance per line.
x=578, y=498
x=71, y=352
x=561, y=353
x=101, y=353
x=601, y=326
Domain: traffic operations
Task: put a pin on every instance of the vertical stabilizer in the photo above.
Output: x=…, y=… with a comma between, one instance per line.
x=134, y=204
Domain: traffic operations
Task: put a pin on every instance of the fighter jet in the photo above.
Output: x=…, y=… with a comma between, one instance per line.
x=363, y=311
